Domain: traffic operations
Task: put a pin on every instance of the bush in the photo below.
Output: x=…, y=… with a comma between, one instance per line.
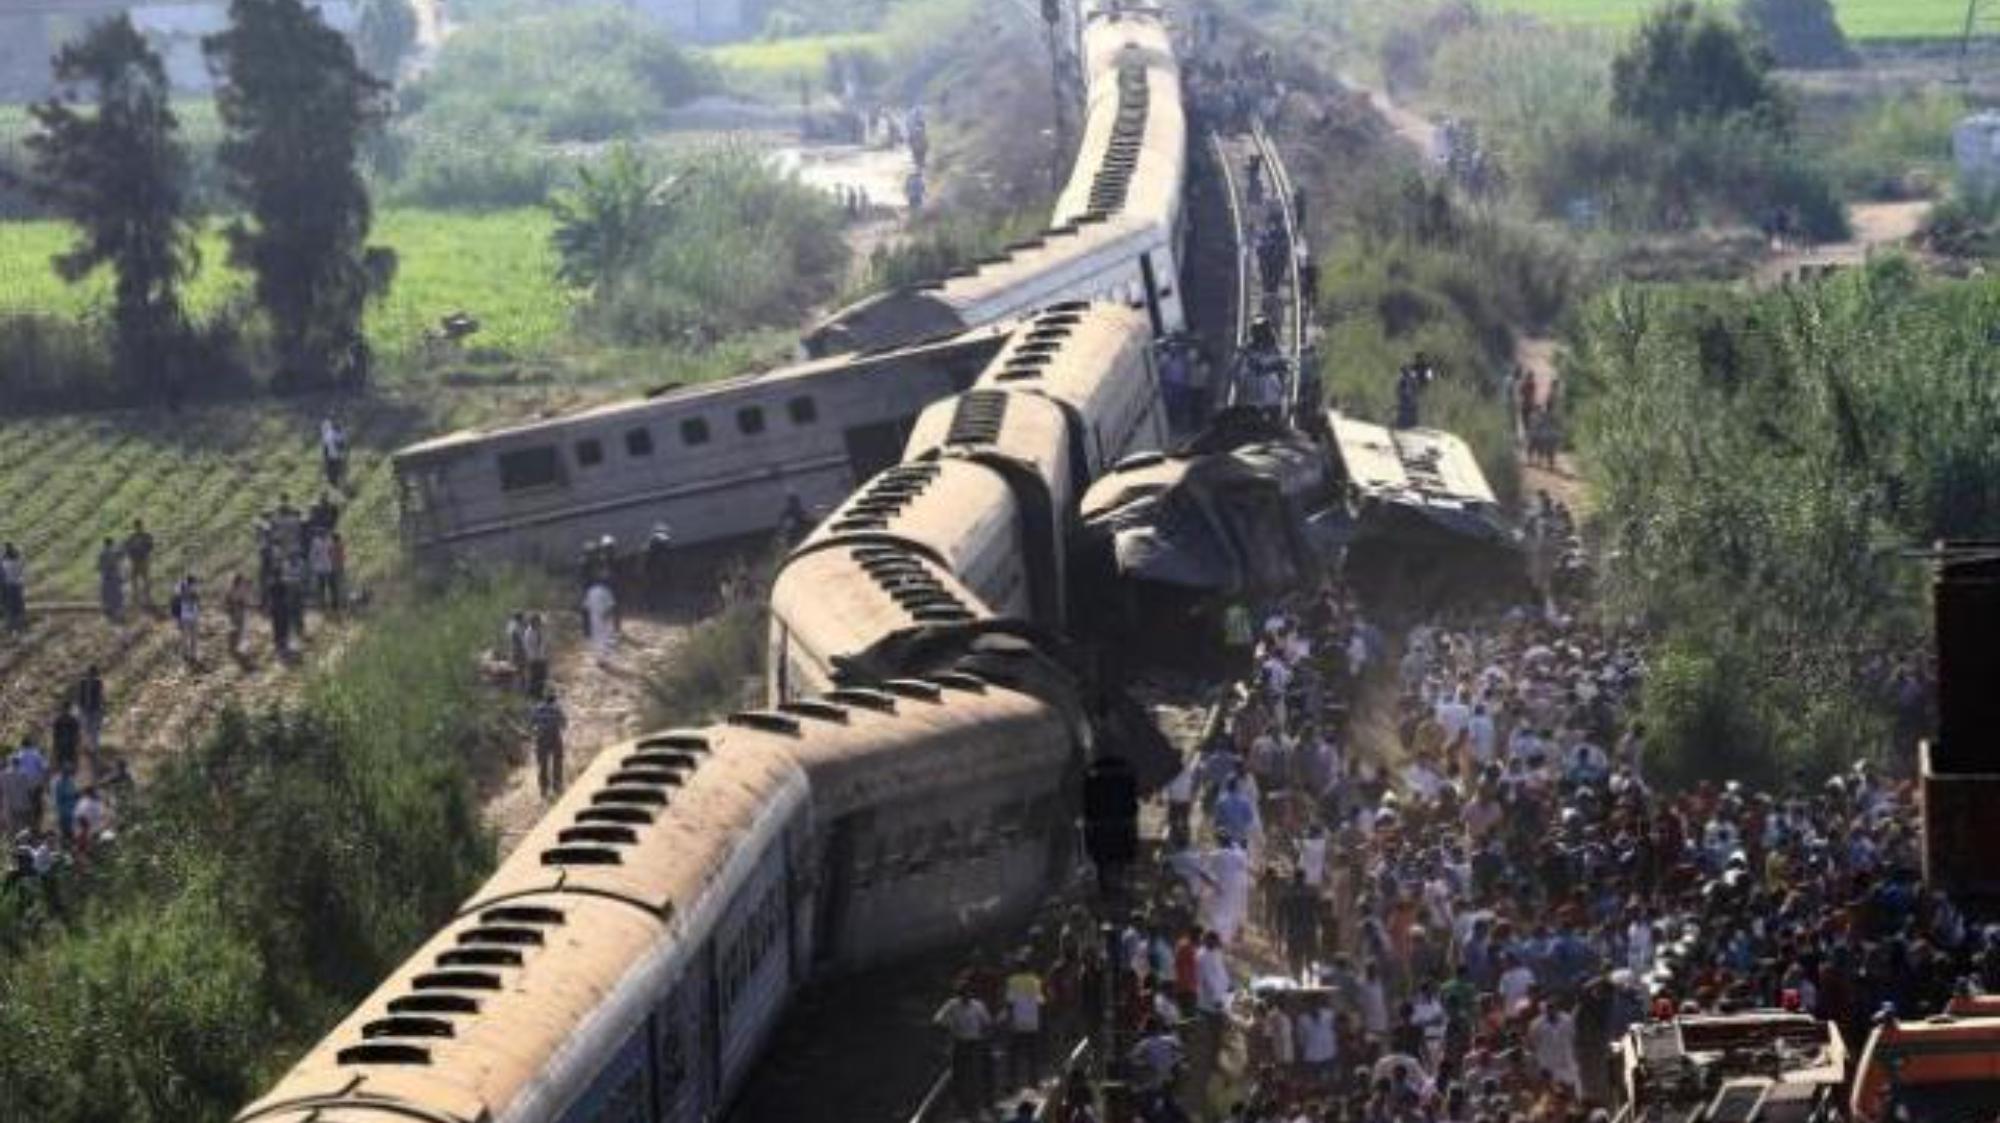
x=719, y=667
x=942, y=242
x=1757, y=462
x=728, y=244
x=1900, y=146
x=590, y=74
x=274, y=874
x=470, y=170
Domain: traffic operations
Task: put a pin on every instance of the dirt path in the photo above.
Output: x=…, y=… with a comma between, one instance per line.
x=1876, y=225
x=603, y=700
x=1538, y=358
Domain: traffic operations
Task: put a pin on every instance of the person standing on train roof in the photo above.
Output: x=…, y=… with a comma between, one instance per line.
x=548, y=721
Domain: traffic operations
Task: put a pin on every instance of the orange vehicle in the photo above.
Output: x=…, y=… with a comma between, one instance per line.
x=1944, y=1069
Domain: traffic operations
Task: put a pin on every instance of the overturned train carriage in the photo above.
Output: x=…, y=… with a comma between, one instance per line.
x=714, y=463
x=630, y=958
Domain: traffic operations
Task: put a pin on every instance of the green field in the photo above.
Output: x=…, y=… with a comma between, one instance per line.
x=778, y=59
x=1863, y=19
x=497, y=266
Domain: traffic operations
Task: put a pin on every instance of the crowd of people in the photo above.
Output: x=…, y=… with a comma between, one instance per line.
x=56, y=803
x=1451, y=917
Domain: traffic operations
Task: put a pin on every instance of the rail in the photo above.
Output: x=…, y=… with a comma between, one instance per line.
x=1294, y=328
x=1291, y=319
x=936, y=1105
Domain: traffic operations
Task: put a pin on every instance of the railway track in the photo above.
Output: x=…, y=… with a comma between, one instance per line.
x=1270, y=250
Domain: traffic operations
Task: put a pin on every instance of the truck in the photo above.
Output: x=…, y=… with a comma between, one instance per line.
x=1759, y=1066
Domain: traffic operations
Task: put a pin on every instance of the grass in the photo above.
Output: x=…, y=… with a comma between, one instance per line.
x=498, y=266
x=1861, y=19
x=769, y=62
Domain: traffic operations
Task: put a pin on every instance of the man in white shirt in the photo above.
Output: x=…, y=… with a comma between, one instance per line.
x=966, y=1021
x=1517, y=984
x=1318, y=1039
x=601, y=607
x=1453, y=715
x=1211, y=976
x=1485, y=735
x=1552, y=1039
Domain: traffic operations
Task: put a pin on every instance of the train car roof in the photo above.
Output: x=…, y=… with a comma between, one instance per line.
x=1427, y=466
x=930, y=505
x=638, y=847
x=1025, y=427
x=1068, y=351
x=842, y=600
x=939, y=348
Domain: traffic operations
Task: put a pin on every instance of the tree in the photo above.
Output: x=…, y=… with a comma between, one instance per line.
x=296, y=106
x=1690, y=65
x=385, y=35
x=1799, y=33
x=609, y=221
x=120, y=174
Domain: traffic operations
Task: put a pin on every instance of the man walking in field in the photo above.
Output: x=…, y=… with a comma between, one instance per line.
x=139, y=552
x=333, y=452
x=111, y=581
x=548, y=722
x=187, y=617
x=90, y=711
x=535, y=652
x=236, y=606
x=13, y=587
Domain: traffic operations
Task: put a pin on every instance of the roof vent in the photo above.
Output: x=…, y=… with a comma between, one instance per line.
x=407, y=1027
x=764, y=721
x=628, y=797
x=522, y=914
x=959, y=680
x=581, y=856
x=628, y=816
x=816, y=711
x=504, y=935
x=479, y=957
x=383, y=1053
x=916, y=689
x=689, y=742
x=456, y=980
x=862, y=698
x=608, y=836
x=434, y=1004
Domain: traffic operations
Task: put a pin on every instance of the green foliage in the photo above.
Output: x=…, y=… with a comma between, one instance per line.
x=297, y=106
x=385, y=36
x=1757, y=463
x=117, y=174
x=273, y=875
x=498, y=266
x=716, y=244
x=1798, y=33
x=611, y=216
x=587, y=74
x=943, y=241
x=1899, y=146
x=1687, y=64
x=1967, y=225
x=718, y=667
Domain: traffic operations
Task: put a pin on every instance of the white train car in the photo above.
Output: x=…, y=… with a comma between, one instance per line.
x=630, y=959
x=713, y=462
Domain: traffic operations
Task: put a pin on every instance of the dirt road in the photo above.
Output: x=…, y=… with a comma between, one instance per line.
x=1876, y=226
x=603, y=701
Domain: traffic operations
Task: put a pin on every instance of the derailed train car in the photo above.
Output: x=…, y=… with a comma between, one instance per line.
x=975, y=524
x=632, y=956
x=713, y=462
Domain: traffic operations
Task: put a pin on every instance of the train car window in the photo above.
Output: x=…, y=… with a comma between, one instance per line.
x=590, y=453
x=530, y=467
x=638, y=442
x=802, y=410
x=750, y=421
x=694, y=431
